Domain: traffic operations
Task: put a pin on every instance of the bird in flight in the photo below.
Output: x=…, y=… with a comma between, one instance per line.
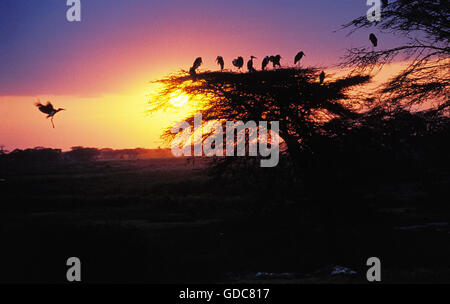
x=373, y=39
x=49, y=110
x=238, y=62
x=220, y=62
x=299, y=57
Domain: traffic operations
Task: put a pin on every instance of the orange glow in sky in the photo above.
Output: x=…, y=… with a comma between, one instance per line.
x=116, y=120
x=101, y=70
x=113, y=120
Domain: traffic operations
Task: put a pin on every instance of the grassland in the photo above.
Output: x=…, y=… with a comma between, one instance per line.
x=167, y=221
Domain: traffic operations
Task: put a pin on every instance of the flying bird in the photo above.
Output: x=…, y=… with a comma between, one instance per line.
x=220, y=62
x=250, y=67
x=373, y=39
x=322, y=77
x=275, y=61
x=238, y=62
x=265, y=62
x=49, y=110
x=299, y=57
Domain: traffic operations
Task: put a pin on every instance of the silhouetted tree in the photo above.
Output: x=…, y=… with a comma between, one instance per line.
x=426, y=27
x=294, y=97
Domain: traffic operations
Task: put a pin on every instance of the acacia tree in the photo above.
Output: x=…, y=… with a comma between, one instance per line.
x=293, y=97
x=425, y=24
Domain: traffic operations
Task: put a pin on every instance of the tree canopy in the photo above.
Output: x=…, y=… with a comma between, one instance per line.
x=294, y=97
x=425, y=24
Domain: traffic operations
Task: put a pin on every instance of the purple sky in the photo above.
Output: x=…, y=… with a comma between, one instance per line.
x=42, y=53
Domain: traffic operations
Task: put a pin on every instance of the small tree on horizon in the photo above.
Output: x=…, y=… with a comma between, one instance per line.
x=2, y=150
x=83, y=154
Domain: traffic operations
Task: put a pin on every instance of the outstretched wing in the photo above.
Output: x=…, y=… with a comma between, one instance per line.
x=47, y=109
x=49, y=106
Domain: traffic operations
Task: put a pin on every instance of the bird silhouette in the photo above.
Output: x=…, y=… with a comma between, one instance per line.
x=193, y=70
x=197, y=63
x=49, y=110
x=193, y=73
x=275, y=61
x=250, y=67
x=238, y=62
x=322, y=77
x=373, y=39
x=299, y=57
x=220, y=62
x=265, y=62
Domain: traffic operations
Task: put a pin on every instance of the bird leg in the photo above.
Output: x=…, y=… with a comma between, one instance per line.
x=53, y=123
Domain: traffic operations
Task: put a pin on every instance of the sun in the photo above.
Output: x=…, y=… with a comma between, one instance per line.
x=178, y=99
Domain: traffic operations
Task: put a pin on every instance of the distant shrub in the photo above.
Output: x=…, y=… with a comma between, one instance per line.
x=37, y=154
x=82, y=154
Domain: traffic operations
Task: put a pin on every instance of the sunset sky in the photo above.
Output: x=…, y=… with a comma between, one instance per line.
x=100, y=69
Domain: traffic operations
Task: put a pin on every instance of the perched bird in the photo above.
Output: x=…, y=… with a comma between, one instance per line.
x=193, y=70
x=238, y=62
x=193, y=73
x=275, y=61
x=322, y=77
x=197, y=63
x=49, y=110
x=220, y=62
x=299, y=57
x=250, y=67
x=265, y=62
x=373, y=39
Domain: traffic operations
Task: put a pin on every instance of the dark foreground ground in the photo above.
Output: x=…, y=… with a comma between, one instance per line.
x=163, y=221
